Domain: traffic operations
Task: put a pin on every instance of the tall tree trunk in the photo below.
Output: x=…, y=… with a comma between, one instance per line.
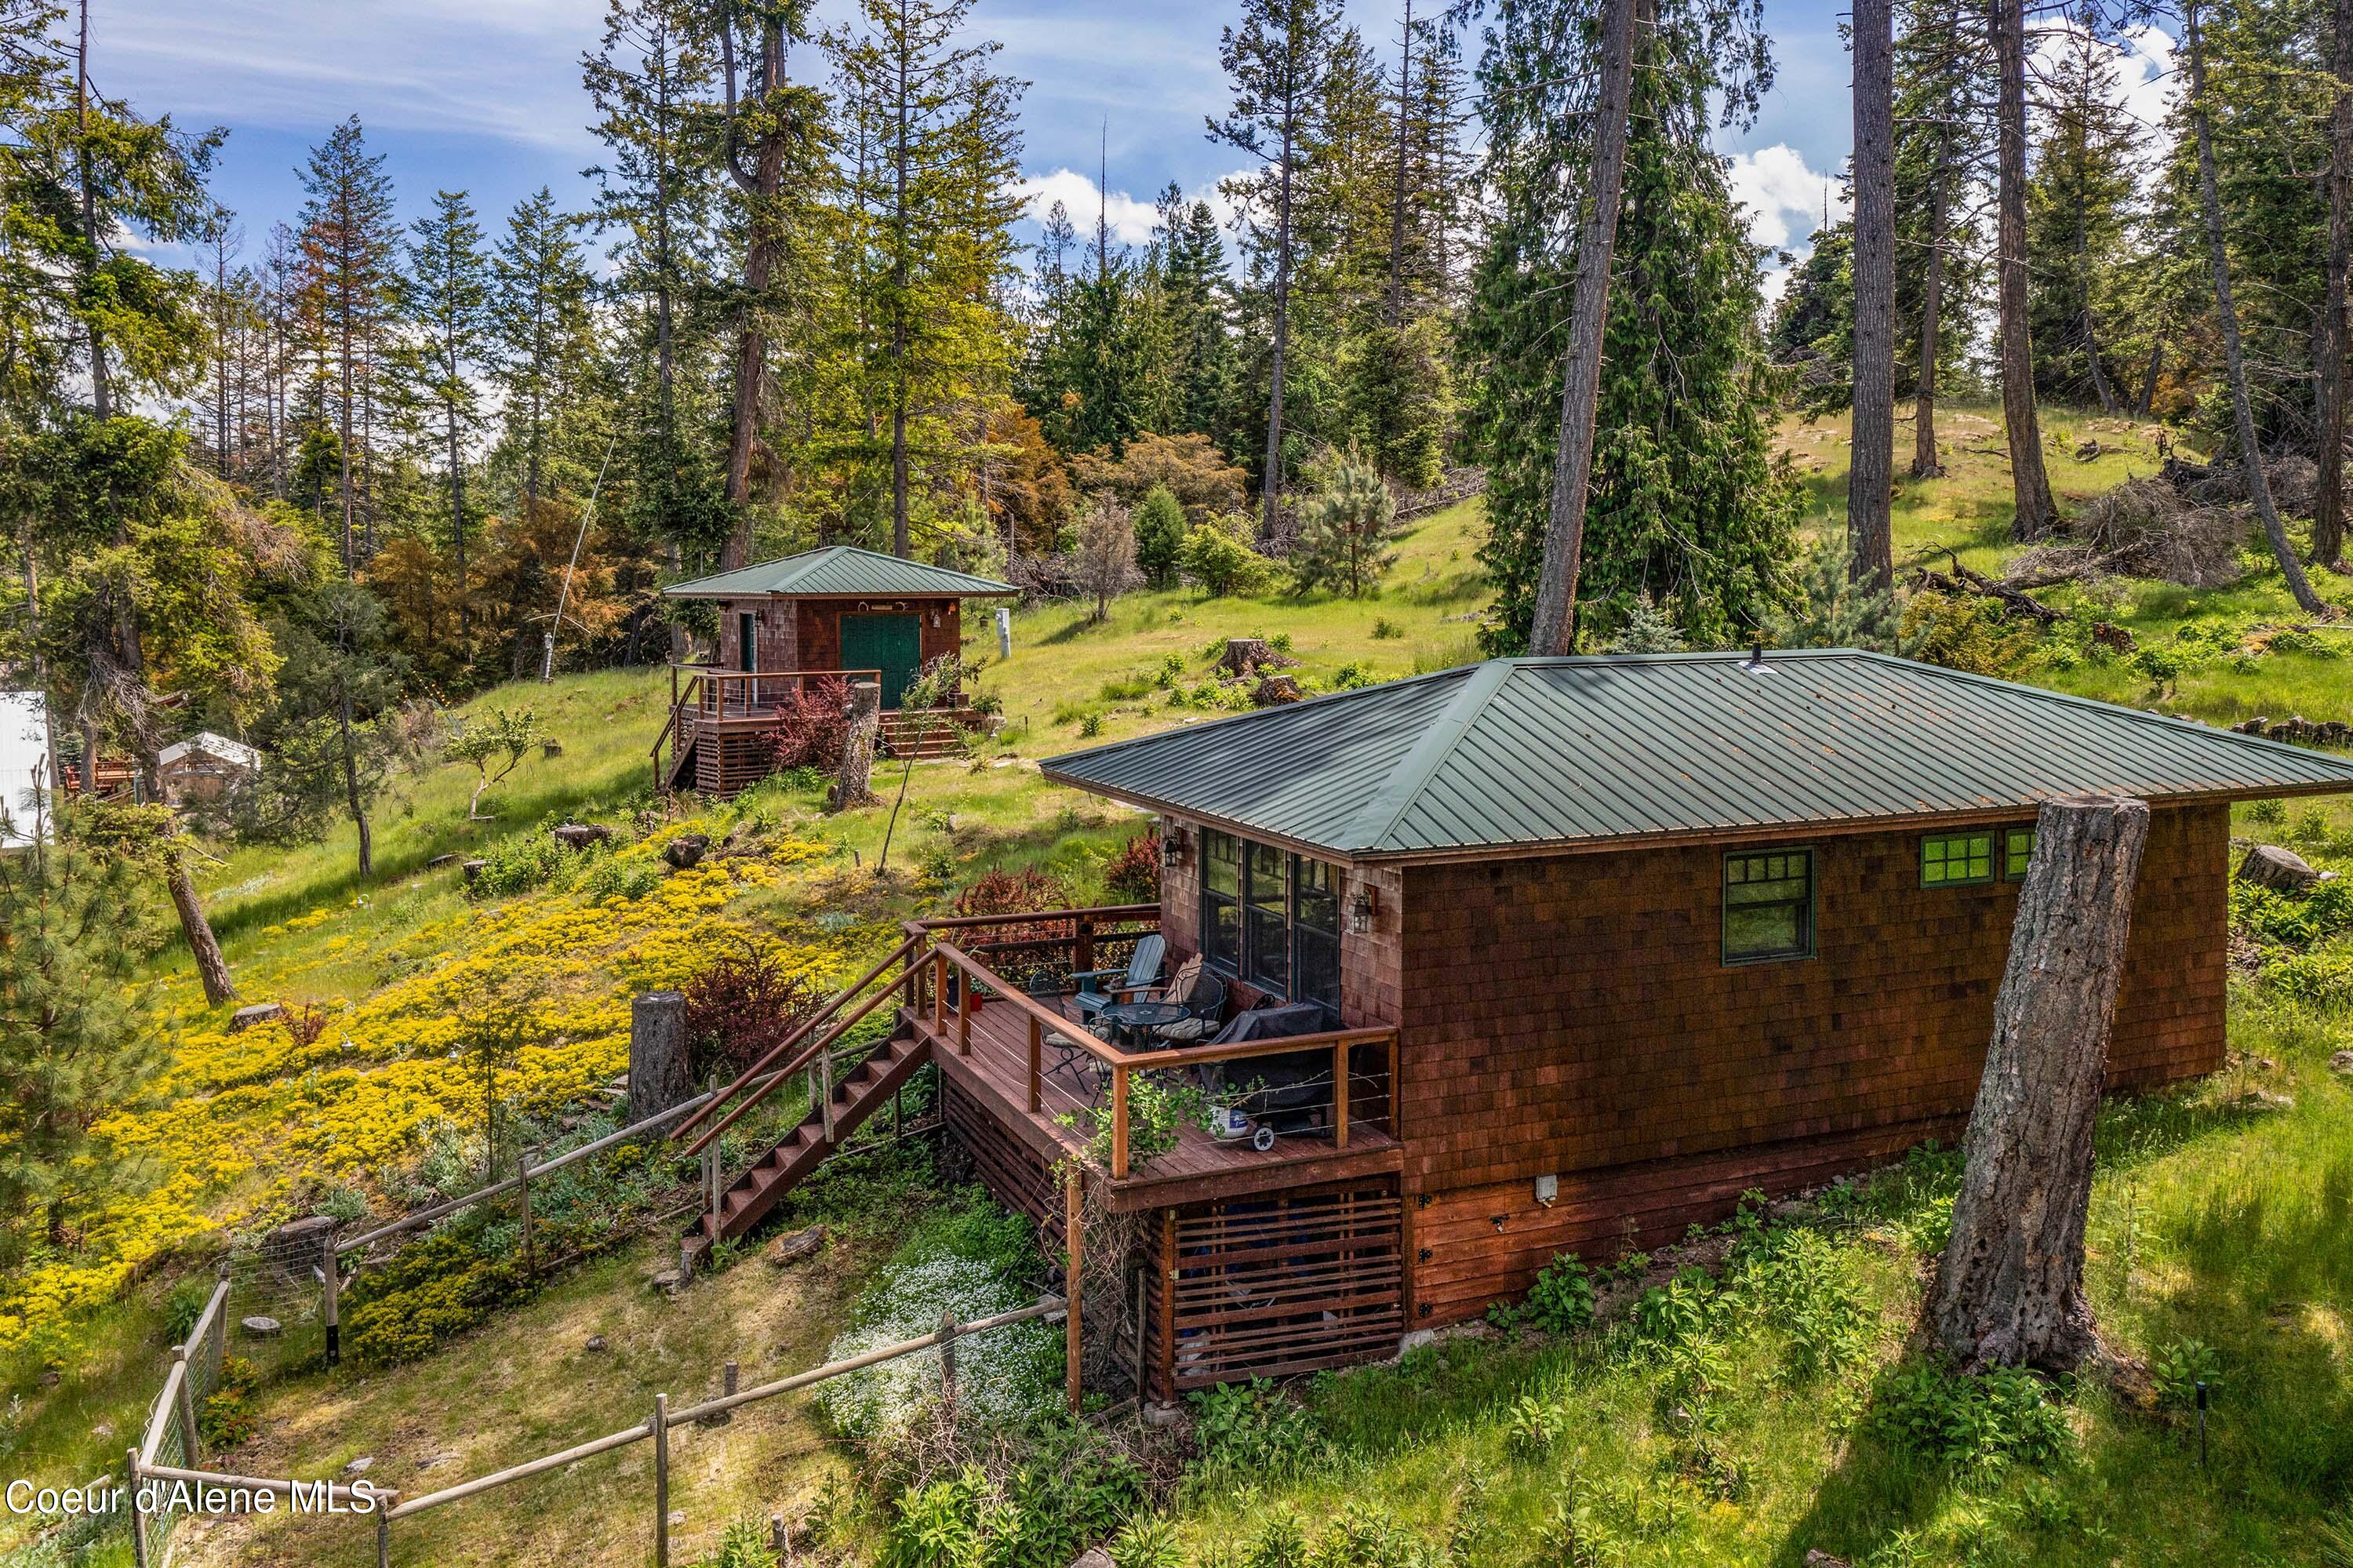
x=458, y=535
x=1553, y=628
x=352, y=786
x=211, y=968
x=2029, y=484
x=1932, y=304
x=1871, y=463
x=2148, y=377
x=1270, y=485
x=2010, y=1287
x=762, y=185
x=900, y=387
x=100, y=393
x=1396, y=305
x=2100, y=387
x=2234, y=361
x=2328, y=500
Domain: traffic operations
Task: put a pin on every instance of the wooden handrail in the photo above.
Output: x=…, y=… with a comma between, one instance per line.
x=1108, y=912
x=768, y=1057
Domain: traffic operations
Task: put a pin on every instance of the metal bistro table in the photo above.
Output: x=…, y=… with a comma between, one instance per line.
x=1133, y=1021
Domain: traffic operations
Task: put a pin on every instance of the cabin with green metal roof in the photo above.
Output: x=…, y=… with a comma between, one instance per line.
x=1449, y=975
x=838, y=614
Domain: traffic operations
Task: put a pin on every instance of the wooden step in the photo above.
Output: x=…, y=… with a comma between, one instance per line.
x=763, y=1184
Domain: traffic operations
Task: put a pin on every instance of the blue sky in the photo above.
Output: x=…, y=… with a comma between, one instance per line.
x=484, y=95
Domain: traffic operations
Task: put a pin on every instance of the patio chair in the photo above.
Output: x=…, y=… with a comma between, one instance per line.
x=1202, y=994
x=1141, y=973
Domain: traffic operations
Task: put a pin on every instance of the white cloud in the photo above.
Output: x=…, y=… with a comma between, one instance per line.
x=1131, y=221
x=1784, y=198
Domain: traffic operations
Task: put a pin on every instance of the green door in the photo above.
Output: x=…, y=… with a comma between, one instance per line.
x=890, y=643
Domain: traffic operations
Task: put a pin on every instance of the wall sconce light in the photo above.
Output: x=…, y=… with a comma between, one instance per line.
x=1172, y=846
x=935, y=620
x=1361, y=909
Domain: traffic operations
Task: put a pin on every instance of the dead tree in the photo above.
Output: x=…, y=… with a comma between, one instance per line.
x=1554, y=626
x=2226, y=315
x=2009, y=1289
x=1870, y=472
x=2329, y=501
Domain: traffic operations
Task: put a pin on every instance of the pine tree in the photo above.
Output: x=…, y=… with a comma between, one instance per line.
x=1276, y=61
x=2078, y=213
x=1688, y=501
x=1941, y=121
x=938, y=212
x=540, y=326
x=447, y=297
x=349, y=245
x=1347, y=531
x=1159, y=520
x=2033, y=513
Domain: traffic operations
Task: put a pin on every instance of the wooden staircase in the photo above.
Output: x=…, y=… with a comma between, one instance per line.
x=928, y=735
x=821, y=1133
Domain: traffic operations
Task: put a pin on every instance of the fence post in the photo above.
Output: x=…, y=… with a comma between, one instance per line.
x=530, y=1255
x=661, y=1481
x=1036, y=1062
x=1118, y=1123
x=382, y=1534
x=1083, y=954
x=331, y=1292
x=187, y=1404
x=138, y=1515
x=947, y=1362
x=825, y=1088
x=1340, y=1095
x=1073, y=1342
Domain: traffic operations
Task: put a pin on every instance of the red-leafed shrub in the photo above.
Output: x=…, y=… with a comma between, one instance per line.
x=739, y=1006
x=811, y=725
x=1007, y=948
x=1132, y=875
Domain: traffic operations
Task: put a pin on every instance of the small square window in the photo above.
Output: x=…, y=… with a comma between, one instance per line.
x=1955, y=859
x=1768, y=906
x=2018, y=852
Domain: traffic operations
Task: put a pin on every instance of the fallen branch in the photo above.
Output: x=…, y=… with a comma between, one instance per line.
x=1963, y=583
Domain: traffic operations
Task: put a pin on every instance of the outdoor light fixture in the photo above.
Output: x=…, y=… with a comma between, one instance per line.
x=1360, y=912
x=1172, y=847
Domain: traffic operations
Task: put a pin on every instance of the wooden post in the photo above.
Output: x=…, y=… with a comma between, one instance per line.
x=331, y=1290
x=947, y=1362
x=1037, y=1061
x=188, y=1399
x=1397, y=1103
x=939, y=993
x=1073, y=1341
x=383, y=1535
x=529, y=1257
x=1143, y=1287
x=964, y=1014
x=824, y=1089
x=137, y=1516
x=1118, y=1123
x=1340, y=1095
x=1169, y=1303
x=661, y=1481
x=729, y=1381
x=1082, y=957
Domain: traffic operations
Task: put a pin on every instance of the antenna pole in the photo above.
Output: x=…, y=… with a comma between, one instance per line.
x=564, y=595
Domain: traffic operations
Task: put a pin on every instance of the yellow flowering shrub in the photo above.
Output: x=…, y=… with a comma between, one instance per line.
x=248, y=1119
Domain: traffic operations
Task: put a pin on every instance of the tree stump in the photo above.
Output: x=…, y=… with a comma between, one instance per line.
x=855, y=787
x=580, y=835
x=2009, y=1289
x=1248, y=655
x=1275, y=690
x=660, y=1074
x=2283, y=871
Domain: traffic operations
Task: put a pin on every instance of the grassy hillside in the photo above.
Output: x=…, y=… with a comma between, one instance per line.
x=1727, y=1435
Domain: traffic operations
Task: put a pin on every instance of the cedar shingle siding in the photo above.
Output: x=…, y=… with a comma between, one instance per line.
x=1574, y=1016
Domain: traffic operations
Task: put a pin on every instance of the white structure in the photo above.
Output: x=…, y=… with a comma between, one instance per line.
x=24, y=767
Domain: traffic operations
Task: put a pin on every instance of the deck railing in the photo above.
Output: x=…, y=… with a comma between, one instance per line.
x=706, y=694
x=946, y=972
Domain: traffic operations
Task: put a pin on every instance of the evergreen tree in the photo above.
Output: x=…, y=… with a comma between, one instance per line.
x=447, y=296
x=1159, y=520
x=1688, y=501
x=540, y=330
x=80, y=1040
x=349, y=245
x=1203, y=341
x=1941, y=125
x=2078, y=213
x=1347, y=531
x=1277, y=61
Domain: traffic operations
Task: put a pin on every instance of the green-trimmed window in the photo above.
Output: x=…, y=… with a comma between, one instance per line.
x=2016, y=853
x=1955, y=859
x=1768, y=905
x=1271, y=918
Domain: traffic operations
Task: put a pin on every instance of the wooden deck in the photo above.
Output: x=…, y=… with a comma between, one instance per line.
x=995, y=1073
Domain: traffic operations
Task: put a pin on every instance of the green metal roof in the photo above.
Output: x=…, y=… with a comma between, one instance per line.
x=840, y=569
x=1534, y=753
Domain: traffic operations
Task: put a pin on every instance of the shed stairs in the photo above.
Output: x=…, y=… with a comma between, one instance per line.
x=763, y=1185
